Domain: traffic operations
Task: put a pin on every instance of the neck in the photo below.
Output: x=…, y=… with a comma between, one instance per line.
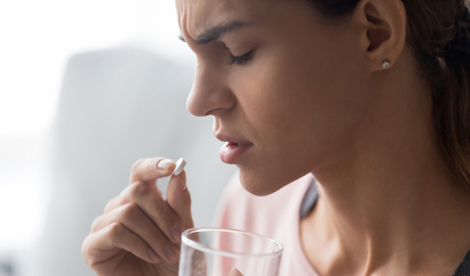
x=389, y=203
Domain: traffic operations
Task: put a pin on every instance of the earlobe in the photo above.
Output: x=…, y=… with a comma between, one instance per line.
x=382, y=27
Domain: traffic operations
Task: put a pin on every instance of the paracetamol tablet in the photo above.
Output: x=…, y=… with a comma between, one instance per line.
x=179, y=166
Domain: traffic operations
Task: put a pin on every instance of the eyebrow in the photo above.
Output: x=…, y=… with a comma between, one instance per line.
x=217, y=31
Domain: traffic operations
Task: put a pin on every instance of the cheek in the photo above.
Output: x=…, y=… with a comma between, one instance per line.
x=304, y=109
x=315, y=94
x=291, y=100
x=271, y=111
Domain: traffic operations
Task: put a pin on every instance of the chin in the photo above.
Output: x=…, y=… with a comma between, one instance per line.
x=263, y=181
x=259, y=185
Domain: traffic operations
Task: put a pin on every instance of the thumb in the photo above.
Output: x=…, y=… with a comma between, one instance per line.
x=179, y=199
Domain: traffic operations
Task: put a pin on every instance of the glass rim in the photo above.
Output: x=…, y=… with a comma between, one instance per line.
x=205, y=249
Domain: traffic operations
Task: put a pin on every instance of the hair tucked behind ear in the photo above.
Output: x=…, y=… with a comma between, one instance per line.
x=438, y=32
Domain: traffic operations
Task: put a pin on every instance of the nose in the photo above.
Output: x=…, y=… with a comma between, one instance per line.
x=210, y=93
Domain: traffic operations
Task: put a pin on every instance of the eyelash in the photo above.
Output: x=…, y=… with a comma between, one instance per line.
x=241, y=59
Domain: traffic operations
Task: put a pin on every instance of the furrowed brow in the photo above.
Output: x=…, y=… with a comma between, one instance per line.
x=218, y=31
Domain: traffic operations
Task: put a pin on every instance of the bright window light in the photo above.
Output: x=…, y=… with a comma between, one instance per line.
x=37, y=38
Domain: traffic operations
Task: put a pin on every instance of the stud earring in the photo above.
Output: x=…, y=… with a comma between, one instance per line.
x=386, y=64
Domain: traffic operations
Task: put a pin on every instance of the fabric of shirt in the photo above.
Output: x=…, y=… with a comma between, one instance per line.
x=278, y=216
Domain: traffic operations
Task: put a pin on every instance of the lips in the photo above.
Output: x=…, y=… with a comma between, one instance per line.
x=232, y=139
x=240, y=144
x=234, y=149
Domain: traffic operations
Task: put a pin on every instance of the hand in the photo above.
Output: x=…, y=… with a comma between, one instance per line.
x=235, y=272
x=139, y=229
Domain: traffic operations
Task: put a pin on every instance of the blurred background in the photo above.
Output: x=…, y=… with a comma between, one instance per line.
x=87, y=88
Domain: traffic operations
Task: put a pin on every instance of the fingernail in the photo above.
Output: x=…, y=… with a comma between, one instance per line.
x=171, y=252
x=154, y=256
x=176, y=232
x=164, y=164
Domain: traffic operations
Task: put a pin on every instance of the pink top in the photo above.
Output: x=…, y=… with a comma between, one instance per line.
x=275, y=216
x=278, y=216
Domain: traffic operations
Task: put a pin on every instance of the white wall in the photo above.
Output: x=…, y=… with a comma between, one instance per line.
x=37, y=37
x=36, y=40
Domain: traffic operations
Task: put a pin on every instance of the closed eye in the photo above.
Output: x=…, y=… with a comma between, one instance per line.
x=241, y=59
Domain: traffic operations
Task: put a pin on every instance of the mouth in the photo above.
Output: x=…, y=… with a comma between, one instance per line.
x=234, y=148
x=232, y=152
x=241, y=144
x=232, y=140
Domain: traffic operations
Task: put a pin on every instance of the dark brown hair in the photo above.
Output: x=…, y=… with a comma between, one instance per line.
x=433, y=29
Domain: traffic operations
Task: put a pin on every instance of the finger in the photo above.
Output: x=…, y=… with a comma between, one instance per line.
x=119, y=200
x=133, y=218
x=179, y=199
x=147, y=170
x=147, y=197
x=198, y=262
x=113, y=203
x=150, y=169
x=109, y=241
x=235, y=272
x=126, y=195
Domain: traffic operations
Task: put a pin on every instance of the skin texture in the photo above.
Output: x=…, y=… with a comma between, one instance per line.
x=315, y=98
x=283, y=100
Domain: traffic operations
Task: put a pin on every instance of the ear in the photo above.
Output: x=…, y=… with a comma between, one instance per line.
x=381, y=26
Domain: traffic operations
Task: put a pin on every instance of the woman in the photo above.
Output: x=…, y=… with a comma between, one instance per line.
x=363, y=103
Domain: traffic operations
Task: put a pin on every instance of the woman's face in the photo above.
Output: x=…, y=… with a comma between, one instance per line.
x=293, y=104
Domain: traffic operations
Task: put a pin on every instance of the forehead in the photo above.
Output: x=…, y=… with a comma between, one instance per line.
x=195, y=16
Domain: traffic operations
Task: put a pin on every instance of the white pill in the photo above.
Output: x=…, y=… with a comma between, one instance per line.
x=179, y=166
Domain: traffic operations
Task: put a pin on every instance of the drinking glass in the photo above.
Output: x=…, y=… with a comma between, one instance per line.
x=226, y=252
